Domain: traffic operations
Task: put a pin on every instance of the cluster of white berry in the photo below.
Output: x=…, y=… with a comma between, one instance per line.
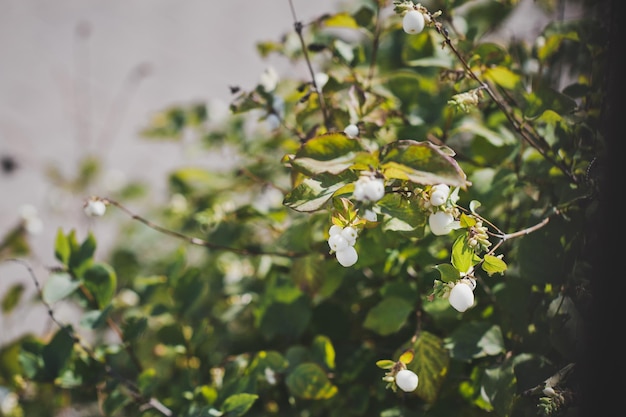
x=440, y=221
x=369, y=188
x=341, y=242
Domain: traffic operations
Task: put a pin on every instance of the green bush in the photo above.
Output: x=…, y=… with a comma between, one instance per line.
x=441, y=169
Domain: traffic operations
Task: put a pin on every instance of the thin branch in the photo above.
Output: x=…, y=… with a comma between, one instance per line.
x=521, y=127
x=298, y=28
x=197, y=241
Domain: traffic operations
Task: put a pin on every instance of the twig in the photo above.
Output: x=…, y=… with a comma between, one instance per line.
x=298, y=28
x=197, y=241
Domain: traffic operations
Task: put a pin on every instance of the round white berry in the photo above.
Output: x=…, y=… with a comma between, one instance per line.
x=351, y=131
x=337, y=242
x=406, y=380
x=350, y=234
x=439, y=194
x=95, y=208
x=461, y=297
x=367, y=188
x=334, y=230
x=413, y=22
x=347, y=256
x=442, y=223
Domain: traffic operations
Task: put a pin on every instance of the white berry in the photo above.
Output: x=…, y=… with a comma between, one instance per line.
x=439, y=194
x=406, y=380
x=95, y=208
x=442, y=223
x=350, y=234
x=461, y=297
x=413, y=22
x=368, y=188
x=337, y=242
x=351, y=131
x=347, y=256
x=334, y=230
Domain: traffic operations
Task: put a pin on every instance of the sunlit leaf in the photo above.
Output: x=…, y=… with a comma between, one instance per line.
x=308, y=381
x=422, y=163
x=493, y=265
x=238, y=404
x=322, y=349
x=343, y=20
x=331, y=153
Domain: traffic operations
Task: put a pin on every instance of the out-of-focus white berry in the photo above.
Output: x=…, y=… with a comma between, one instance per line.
x=30, y=219
x=442, y=223
x=439, y=194
x=269, y=79
x=370, y=216
x=337, y=242
x=270, y=376
x=407, y=380
x=461, y=297
x=368, y=188
x=347, y=256
x=350, y=234
x=413, y=22
x=549, y=391
x=351, y=131
x=321, y=78
x=94, y=207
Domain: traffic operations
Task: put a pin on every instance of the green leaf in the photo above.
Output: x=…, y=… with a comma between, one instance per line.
x=404, y=214
x=330, y=153
x=310, y=195
x=308, y=381
x=385, y=364
x=284, y=319
x=58, y=286
x=239, y=404
x=56, y=353
x=493, y=264
x=431, y=364
x=101, y=281
x=421, y=163
x=448, y=272
x=463, y=256
x=546, y=98
x=95, y=318
x=475, y=340
x=82, y=257
x=323, y=352
x=388, y=316
x=133, y=327
x=12, y=297
x=62, y=247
